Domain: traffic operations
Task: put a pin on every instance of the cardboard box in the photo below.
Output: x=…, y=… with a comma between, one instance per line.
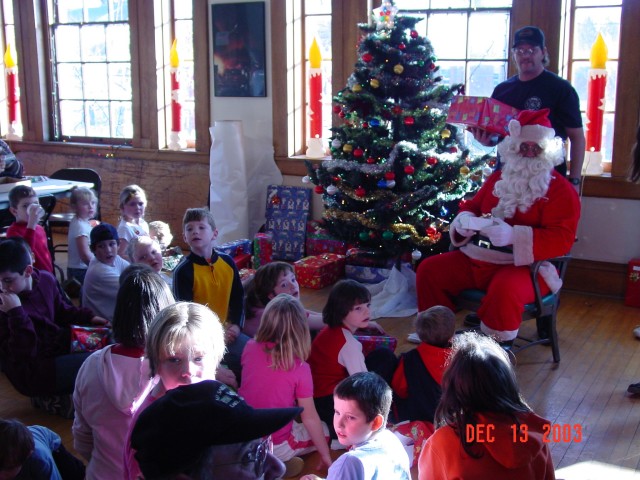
x=319, y=271
x=483, y=112
x=7, y=183
x=632, y=293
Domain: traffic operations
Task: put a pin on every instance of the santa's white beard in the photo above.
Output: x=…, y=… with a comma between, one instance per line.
x=523, y=181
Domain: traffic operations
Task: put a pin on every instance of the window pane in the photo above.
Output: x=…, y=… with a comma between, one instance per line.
x=121, y=120
x=68, y=12
x=68, y=41
x=72, y=118
x=118, y=45
x=493, y=3
x=590, y=21
x=484, y=76
x=488, y=35
x=446, y=45
x=70, y=84
x=597, y=3
x=607, y=135
x=313, y=7
x=97, y=119
x=92, y=43
x=183, y=10
x=97, y=11
x=94, y=80
x=451, y=72
x=119, y=81
x=449, y=4
x=119, y=10
x=320, y=27
x=184, y=34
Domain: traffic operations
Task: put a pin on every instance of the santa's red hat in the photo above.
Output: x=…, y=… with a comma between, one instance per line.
x=531, y=126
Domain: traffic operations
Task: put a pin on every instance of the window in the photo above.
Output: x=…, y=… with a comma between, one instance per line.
x=91, y=70
x=470, y=39
x=584, y=19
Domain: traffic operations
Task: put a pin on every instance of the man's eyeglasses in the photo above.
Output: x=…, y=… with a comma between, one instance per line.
x=530, y=149
x=257, y=455
x=522, y=52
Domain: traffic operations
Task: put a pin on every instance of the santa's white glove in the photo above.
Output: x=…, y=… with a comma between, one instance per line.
x=500, y=234
x=456, y=225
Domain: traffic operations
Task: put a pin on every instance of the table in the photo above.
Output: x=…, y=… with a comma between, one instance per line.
x=50, y=186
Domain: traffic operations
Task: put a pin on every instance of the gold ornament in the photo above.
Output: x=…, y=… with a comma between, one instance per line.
x=398, y=69
x=405, y=228
x=464, y=170
x=356, y=88
x=446, y=133
x=374, y=83
x=347, y=147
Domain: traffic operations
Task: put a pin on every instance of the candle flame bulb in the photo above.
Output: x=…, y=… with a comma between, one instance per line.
x=315, y=57
x=599, y=52
x=173, y=55
x=9, y=61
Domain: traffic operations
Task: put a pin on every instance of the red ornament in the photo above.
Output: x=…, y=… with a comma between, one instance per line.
x=371, y=160
x=414, y=34
x=358, y=152
x=337, y=109
x=341, y=114
x=372, y=234
x=402, y=46
x=409, y=120
x=367, y=57
x=365, y=124
x=275, y=200
x=397, y=110
x=319, y=189
x=453, y=149
x=431, y=231
x=360, y=192
x=432, y=161
x=389, y=175
x=336, y=179
x=409, y=169
x=432, y=66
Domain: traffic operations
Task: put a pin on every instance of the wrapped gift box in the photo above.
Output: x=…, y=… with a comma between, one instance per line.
x=243, y=260
x=246, y=274
x=319, y=271
x=262, y=249
x=236, y=247
x=413, y=436
x=286, y=214
x=632, y=293
x=372, y=338
x=368, y=274
x=287, y=198
x=320, y=241
x=483, y=112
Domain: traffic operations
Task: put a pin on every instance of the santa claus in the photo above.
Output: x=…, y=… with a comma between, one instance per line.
x=523, y=213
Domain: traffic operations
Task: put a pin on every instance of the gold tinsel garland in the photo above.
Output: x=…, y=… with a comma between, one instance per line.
x=416, y=238
x=376, y=195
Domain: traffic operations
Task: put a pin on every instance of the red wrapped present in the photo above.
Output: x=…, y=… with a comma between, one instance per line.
x=632, y=294
x=243, y=260
x=262, y=249
x=372, y=338
x=319, y=271
x=246, y=274
x=319, y=241
x=89, y=339
x=413, y=435
x=483, y=112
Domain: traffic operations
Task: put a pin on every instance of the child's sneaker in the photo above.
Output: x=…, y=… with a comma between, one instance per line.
x=636, y=332
x=293, y=467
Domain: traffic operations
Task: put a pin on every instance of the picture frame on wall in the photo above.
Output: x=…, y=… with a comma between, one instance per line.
x=239, y=50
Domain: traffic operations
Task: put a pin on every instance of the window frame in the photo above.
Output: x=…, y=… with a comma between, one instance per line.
x=32, y=49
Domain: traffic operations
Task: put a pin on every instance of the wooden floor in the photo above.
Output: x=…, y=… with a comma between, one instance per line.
x=600, y=358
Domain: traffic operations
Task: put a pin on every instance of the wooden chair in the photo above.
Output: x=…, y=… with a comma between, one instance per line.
x=544, y=308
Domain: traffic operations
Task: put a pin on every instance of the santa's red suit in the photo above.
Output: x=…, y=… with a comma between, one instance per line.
x=547, y=228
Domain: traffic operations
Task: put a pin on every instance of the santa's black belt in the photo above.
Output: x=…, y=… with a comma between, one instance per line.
x=484, y=242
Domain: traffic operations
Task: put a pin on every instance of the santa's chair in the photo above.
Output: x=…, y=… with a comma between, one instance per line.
x=544, y=308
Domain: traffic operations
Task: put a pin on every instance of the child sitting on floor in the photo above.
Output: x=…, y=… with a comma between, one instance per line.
x=133, y=202
x=362, y=403
x=416, y=382
x=171, y=256
x=270, y=280
x=146, y=250
x=84, y=204
x=276, y=375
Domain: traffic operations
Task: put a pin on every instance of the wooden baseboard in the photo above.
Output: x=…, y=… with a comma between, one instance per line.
x=598, y=278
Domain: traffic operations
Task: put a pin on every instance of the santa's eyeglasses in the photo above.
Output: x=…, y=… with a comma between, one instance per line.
x=530, y=149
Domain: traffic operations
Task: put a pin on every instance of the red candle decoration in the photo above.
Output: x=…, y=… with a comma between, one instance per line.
x=176, y=108
x=595, y=95
x=315, y=91
x=11, y=71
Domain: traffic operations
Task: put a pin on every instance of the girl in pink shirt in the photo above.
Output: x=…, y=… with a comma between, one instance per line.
x=275, y=374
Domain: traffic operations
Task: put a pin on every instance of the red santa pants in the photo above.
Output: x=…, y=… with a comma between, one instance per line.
x=509, y=288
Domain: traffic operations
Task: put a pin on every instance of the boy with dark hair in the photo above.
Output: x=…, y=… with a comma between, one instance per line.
x=25, y=206
x=35, y=338
x=362, y=402
x=212, y=279
x=416, y=382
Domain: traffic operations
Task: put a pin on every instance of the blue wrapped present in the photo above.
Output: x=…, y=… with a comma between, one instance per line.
x=236, y=247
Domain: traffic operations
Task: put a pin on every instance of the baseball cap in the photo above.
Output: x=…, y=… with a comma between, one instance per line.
x=531, y=35
x=172, y=433
x=102, y=232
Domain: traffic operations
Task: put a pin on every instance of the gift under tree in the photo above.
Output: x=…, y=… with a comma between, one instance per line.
x=397, y=171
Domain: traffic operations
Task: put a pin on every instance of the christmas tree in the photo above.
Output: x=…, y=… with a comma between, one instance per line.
x=398, y=172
